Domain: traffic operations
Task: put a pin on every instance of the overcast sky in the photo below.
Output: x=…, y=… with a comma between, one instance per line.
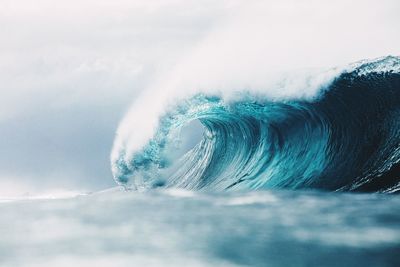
x=69, y=70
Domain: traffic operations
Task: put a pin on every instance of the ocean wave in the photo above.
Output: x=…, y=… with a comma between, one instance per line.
x=343, y=137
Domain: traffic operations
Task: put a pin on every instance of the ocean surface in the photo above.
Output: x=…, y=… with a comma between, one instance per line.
x=302, y=171
x=175, y=227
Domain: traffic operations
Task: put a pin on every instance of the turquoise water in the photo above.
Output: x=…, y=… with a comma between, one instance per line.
x=345, y=138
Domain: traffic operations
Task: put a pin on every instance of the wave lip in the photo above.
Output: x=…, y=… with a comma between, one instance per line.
x=347, y=138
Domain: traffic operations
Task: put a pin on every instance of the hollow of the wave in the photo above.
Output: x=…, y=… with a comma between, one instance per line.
x=187, y=137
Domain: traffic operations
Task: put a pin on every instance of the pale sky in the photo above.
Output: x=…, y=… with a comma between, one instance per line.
x=69, y=70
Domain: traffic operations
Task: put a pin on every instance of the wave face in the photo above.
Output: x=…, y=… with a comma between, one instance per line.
x=345, y=139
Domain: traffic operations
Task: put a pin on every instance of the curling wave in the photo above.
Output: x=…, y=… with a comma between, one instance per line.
x=345, y=139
